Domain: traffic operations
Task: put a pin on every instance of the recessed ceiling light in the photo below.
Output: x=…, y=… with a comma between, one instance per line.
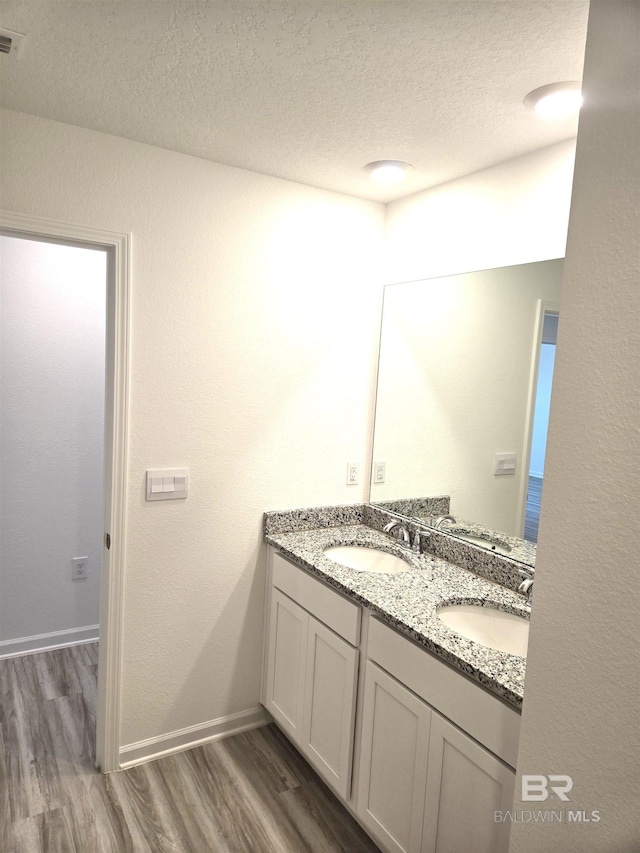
x=388, y=172
x=557, y=100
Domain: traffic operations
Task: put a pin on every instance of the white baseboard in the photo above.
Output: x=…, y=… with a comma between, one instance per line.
x=48, y=642
x=177, y=741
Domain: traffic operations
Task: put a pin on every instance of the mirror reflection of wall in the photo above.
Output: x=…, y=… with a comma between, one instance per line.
x=457, y=356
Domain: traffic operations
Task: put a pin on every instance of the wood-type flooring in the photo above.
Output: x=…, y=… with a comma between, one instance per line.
x=250, y=793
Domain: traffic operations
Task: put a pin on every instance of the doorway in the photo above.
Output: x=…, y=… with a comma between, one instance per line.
x=52, y=392
x=544, y=361
x=106, y=562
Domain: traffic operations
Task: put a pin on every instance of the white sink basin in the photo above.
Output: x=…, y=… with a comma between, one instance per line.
x=364, y=559
x=496, y=629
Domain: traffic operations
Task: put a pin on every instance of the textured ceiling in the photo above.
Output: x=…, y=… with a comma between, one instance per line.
x=308, y=91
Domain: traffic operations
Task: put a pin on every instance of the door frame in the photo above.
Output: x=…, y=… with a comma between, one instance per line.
x=118, y=248
x=542, y=307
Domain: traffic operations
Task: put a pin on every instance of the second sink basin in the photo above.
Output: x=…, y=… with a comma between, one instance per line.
x=364, y=559
x=494, y=628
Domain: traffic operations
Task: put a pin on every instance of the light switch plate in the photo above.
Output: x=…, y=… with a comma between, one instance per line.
x=167, y=484
x=504, y=463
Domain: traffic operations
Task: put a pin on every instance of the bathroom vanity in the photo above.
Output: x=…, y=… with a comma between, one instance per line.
x=413, y=726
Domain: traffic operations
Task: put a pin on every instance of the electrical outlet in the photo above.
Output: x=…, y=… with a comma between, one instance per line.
x=80, y=568
x=379, y=470
x=353, y=473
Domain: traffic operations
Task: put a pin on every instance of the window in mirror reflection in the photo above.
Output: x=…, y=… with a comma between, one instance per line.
x=546, y=360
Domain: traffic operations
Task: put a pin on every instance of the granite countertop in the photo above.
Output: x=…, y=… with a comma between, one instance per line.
x=409, y=601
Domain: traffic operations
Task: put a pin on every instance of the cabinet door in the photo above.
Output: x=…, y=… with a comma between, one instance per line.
x=466, y=784
x=393, y=763
x=330, y=705
x=286, y=663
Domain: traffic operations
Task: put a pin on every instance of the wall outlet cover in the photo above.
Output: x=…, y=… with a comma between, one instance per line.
x=79, y=568
x=353, y=473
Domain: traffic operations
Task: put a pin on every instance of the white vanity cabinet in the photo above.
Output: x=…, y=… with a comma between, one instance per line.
x=425, y=785
x=311, y=669
x=434, y=752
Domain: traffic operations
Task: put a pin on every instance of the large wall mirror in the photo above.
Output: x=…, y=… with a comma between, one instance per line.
x=464, y=382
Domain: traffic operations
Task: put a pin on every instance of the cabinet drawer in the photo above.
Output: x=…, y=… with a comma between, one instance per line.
x=485, y=717
x=326, y=604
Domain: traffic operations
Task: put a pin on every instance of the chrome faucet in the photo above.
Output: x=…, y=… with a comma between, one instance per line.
x=526, y=586
x=420, y=540
x=439, y=521
x=403, y=536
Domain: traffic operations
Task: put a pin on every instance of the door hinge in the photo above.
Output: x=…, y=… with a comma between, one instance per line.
x=107, y=540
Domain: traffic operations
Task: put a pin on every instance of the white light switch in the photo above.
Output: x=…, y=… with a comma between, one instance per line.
x=504, y=463
x=167, y=484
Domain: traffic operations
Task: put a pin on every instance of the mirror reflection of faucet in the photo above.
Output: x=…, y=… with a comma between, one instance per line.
x=437, y=524
x=527, y=585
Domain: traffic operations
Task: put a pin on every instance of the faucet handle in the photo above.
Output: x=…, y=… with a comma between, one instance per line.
x=419, y=543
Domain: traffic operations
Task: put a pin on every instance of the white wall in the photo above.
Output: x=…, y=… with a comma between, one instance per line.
x=582, y=695
x=52, y=337
x=254, y=325
x=513, y=213
x=453, y=388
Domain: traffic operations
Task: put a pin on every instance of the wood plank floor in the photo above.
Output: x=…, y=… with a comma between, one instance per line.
x=251, y=793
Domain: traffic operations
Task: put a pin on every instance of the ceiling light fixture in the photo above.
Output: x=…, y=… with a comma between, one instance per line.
x=555, y=101
x=388, y=172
